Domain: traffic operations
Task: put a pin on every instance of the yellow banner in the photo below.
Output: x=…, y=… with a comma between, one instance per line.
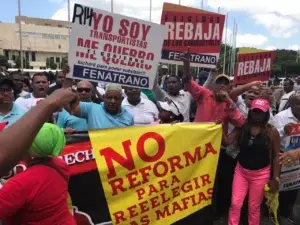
x=157, y=175
x=245, y=50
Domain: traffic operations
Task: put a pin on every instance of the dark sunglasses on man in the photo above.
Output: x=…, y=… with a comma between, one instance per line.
x=81, y=90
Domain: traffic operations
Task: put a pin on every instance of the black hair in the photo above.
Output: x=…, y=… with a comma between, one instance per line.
x=291, y=82
x=15, y=73
x=26, y=74
x=244, y=133
x=265, y=119
x=39, y=75
x=173, y=76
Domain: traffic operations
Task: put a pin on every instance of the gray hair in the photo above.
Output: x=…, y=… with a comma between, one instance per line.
x=114, y=87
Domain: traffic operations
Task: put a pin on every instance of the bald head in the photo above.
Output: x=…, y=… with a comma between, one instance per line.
x=85, y=91
x=84, y=83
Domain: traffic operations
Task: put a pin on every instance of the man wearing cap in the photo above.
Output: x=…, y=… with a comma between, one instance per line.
x=212, y=105
x=9, y=111
x=109, y=114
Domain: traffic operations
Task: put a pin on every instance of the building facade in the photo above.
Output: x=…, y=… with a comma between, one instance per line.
x=42, y=39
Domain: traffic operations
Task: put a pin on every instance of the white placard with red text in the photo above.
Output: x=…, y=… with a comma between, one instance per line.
x=112, y=48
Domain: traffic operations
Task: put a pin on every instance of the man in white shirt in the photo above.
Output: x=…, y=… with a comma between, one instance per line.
x=175, y=93
x=40, y=86
x=287, y=199
x=143, y=110
x=288, y=87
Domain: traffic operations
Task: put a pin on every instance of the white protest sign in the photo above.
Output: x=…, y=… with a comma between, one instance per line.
x=112, y=48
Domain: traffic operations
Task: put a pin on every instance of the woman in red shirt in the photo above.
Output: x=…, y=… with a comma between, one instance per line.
x=38, y=196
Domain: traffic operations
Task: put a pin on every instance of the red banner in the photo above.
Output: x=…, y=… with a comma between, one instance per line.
x=253, y=66
x=199, y=29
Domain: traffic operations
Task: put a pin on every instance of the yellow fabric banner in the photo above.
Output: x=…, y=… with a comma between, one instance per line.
x=157, y=174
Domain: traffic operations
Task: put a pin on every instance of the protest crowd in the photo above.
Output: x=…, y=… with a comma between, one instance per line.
x=38, y=114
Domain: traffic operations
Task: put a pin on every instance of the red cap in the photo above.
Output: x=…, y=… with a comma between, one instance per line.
x=3, y=125
x=261, y=104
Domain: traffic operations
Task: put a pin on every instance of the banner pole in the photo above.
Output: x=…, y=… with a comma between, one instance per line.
x=21, y=41
x=224, y=65
x=112, y=6
x=69, y=18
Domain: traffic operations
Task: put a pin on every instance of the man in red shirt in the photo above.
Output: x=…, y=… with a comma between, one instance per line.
x=215, y=105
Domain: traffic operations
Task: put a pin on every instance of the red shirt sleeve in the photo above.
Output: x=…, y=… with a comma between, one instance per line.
x=196, y=90
x=13, y=196
x=236, y=118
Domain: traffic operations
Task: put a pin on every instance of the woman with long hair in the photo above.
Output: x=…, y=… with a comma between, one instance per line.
x=39, y=194
x=258, y=164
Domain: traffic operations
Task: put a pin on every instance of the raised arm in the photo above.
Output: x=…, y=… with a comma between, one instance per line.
x=160, y=94
x=236, y=92
x=27, y=128
x=190, y=85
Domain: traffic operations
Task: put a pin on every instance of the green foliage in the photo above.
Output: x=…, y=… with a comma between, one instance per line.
x=4, y=61
x=285, y=63
x=51, y=64
x=26, y=64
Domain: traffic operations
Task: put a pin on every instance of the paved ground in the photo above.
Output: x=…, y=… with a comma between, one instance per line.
x=266, y=220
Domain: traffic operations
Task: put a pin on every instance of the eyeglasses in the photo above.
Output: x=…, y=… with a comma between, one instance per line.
x=7, y=90
x=86, y=90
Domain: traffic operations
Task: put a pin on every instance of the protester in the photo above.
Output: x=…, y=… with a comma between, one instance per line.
x=258, y=142
x=72, y=123
x=39, y=194
x=212, y=105
x=109, y=114
x=277, y=92
x=175, y=93
x=297, y=86
x=18, y=80
x=60, y=78
x=287, y=199
x=10, y=154
x=26, y=86
x=40, y=86
x=143, y=110
x=288, y=87
x=162, y=76
x=169, y=112
x=9, y=111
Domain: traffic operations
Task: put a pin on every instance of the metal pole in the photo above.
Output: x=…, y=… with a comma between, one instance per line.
x=69, y=18
x=234, y=55
x=219, y=9
x=224, y=65
x=112, y=6
x=150, y=10
x=179, y=2
x=202, y=5
x=20, y=29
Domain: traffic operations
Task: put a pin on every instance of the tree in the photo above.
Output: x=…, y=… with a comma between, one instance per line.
x=4, y=61
x=64, y=62
x=51, y=64
x=26, y=64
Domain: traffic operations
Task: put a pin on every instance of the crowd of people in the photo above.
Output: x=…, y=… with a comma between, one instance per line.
x=255, y=120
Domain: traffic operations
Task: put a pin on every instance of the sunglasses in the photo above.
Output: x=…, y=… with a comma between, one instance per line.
x=86, y=90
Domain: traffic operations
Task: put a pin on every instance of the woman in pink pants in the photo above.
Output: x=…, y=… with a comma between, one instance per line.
x=258, y=164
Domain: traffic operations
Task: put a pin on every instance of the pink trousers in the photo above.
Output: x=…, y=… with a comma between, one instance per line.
x=248, y=180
